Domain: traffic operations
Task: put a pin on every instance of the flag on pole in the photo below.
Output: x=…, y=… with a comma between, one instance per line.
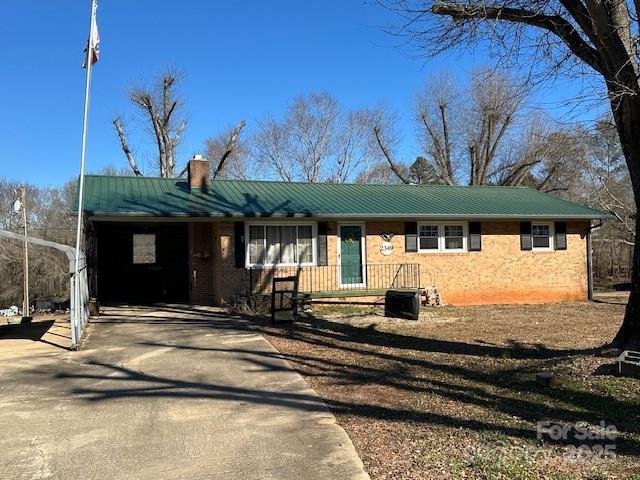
x=93, y=48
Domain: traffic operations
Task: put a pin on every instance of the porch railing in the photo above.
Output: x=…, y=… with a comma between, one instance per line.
x=335, y=278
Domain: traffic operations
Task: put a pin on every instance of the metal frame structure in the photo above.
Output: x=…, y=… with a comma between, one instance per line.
x=284, y=299
x=79, y=291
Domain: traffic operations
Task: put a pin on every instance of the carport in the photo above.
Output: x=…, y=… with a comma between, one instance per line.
x=139, y=263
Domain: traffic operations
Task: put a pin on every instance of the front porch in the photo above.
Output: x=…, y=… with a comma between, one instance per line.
x=336, y=280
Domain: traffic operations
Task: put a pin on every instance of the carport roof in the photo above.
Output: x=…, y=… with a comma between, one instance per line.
x=171, y=197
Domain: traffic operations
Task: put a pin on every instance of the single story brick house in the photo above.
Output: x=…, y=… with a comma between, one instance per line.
x=203, y=241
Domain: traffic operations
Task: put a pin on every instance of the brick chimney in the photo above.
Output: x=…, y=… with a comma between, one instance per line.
x=198, y=170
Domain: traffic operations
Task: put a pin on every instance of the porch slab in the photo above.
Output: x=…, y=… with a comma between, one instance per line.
x=171, y=392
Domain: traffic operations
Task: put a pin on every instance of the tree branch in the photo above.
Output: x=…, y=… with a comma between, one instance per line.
x=555, y=24
x=231, y=145
x=387, y=154
x=580, y=14
x=125, y=147
x=146, y=102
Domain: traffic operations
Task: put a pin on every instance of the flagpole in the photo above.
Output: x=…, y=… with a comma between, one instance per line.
x=89, y=62
x=26, y=313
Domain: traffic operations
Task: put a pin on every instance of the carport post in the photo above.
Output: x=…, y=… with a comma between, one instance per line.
x=73, y=307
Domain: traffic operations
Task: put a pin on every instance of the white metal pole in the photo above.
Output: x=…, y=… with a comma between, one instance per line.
x=85, y=119
x=25, y=305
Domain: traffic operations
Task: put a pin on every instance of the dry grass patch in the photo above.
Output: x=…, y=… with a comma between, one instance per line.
x=453, y=395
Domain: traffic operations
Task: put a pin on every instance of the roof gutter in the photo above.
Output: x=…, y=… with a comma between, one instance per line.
x=106, y=216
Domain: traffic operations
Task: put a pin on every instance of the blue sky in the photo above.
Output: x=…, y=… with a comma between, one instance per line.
x=241, y=60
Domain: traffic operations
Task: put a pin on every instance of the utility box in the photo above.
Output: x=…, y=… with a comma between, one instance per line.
x=402, y=304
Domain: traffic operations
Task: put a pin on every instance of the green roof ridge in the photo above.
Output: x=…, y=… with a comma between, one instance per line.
x=300, y=182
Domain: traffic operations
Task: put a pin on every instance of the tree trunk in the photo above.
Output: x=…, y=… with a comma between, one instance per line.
x=626, y=112
x=628, y=337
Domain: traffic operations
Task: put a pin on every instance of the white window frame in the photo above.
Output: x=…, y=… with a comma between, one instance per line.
x=314, y=237
x=551, y=246
x=441, y=238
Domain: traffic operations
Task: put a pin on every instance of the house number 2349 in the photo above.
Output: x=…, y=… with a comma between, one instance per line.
x=386, y=247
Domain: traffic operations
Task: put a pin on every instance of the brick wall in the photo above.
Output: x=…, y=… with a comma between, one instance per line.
x=229, y=278
x=501, y=272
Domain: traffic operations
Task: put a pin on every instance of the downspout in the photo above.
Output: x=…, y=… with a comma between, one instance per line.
x=590, y=259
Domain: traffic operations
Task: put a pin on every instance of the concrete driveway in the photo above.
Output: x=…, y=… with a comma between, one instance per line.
x=171, y=393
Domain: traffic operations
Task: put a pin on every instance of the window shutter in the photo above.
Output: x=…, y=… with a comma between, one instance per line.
x=321, y=244
x=560, y=241
x=239, y=244
x=475, y=236
x=525, y=236
x=411, y=236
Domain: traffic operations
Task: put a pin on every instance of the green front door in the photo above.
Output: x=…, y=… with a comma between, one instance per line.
x=351, y=255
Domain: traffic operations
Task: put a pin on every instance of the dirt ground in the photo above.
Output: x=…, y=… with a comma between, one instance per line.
x=454, y=395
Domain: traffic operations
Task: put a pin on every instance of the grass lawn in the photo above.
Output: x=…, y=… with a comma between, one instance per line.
x=454, y=395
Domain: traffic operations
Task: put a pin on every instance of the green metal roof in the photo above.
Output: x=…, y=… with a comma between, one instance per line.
x=169, y=197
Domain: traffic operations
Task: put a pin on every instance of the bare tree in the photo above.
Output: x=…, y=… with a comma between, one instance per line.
x=229, y=153
x=386, y=139
x=609, y=180
x=380, y=172
x=437, y=108
x=117, y=123
x=474, y=135
x=271, y=149
x=112, y=170
x=160, y=107
x=49, y=217
x=311, y=123
x=395, y=167
x=481, y=116
x=545, y=157
x=523, y=155
x=316, y=140
x=352, y=144
x=495, y=102
x=599, y=36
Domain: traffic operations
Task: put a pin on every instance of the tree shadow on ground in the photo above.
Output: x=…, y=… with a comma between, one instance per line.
x=498, y=379
x=438, y=367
